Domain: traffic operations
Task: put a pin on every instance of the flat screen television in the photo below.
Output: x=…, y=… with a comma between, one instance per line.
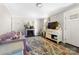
x=52, y=25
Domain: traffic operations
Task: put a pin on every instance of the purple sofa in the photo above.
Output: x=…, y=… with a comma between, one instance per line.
x=9, y=37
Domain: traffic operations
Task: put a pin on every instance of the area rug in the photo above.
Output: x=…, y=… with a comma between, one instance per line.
x=14, y=48
x=41, y=46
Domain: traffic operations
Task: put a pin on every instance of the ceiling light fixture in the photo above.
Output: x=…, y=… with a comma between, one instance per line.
x=39, y=5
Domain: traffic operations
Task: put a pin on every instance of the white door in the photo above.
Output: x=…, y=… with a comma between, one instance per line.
x=72, y=27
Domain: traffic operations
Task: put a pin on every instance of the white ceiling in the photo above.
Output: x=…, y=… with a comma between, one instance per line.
x=30, y=9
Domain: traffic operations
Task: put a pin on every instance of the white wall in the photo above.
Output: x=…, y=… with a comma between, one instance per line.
x=6, y=25
x=39, y=26
x=5, y=20
x=18, y=23
x=60, y=17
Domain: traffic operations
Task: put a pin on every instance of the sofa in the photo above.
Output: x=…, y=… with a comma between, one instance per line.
x=9, y=37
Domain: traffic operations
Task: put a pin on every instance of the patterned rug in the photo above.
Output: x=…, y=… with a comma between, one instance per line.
x=41, y=46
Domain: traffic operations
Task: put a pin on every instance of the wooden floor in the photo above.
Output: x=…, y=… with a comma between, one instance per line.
x=66, y=45
x=42, y=46
x=64, y=48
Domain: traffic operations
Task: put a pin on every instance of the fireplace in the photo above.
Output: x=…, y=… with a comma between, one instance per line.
x=29, y=32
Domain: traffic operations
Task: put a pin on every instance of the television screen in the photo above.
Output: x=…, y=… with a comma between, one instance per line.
x=52, y=25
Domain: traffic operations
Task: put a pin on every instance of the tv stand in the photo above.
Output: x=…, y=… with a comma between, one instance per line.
x=54, y=34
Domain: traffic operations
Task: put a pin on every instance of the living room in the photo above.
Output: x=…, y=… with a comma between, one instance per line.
x=39, y=29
